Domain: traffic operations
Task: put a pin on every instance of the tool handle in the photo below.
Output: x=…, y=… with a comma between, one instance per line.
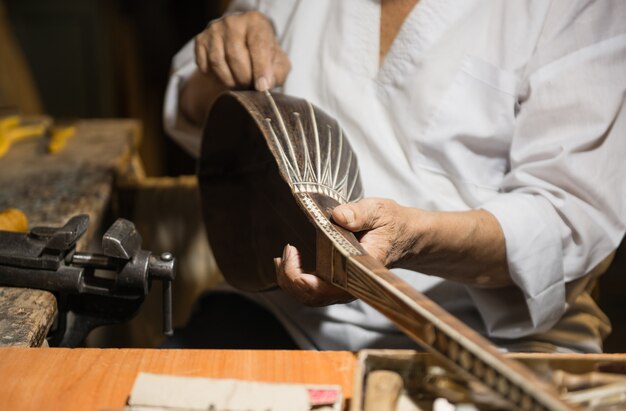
x=167, y=308
x=163, y=268
x=13, y=219
x=382, y=390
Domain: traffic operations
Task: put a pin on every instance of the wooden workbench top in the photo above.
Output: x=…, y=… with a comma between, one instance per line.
x=51, y=188
x=98, y=379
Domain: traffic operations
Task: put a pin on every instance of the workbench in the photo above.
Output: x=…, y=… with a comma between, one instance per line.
x=101, y=379
x=98, y=379
x=51, y=188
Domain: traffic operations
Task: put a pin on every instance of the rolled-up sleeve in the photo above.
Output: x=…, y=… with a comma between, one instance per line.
x=176, y=125
x=562, y=206
x=185, y=133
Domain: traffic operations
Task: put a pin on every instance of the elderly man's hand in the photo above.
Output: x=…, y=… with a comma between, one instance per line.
x=241, y=50
x=386, y=232
x=307, y=288
x=466, y=246
x=238, y=51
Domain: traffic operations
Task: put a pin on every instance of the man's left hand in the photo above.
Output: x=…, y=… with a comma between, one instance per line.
x=463, y=246
x=385, y=230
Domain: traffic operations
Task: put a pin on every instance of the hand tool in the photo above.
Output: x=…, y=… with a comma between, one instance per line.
x=59, y=136
x=13, y=219
x=91, y=289
x=12, y=130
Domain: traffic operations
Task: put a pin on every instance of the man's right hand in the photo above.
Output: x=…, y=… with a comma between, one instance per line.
x=238, y=51
x=241, y=51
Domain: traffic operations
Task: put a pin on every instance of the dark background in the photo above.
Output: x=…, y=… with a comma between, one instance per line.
x=110, y=58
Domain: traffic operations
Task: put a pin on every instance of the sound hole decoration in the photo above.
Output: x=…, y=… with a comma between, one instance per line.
x=323, y=164
x=272, y=168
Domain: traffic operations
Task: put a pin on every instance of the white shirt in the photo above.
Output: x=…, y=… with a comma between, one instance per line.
x=515, y=107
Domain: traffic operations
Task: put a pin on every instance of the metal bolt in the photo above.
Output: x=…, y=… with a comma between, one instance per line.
x=167, y=256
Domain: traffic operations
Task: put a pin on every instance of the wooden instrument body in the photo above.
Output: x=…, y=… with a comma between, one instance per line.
x=271, y=170
x=250, y=169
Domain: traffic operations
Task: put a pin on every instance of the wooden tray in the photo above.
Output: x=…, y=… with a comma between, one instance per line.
x=413, y=367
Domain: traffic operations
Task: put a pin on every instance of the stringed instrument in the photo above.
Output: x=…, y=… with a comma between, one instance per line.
x=272, y=168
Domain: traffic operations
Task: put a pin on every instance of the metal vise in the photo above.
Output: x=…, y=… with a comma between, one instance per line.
x=91, y=289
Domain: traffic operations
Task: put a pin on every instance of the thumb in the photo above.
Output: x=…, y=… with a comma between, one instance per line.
x=291, y=259
x=359, y=216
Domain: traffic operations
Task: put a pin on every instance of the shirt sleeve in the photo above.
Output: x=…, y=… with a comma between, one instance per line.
x=562, y=206
x=186, y=134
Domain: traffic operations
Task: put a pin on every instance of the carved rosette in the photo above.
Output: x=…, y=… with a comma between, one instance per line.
x=314, y=153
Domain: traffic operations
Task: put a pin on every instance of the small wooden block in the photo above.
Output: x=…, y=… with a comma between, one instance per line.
x=25, y=316
x=382, y=390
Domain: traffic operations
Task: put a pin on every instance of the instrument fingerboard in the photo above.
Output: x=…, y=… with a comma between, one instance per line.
x=331, y=232
x=436, y=330
x=453, y=342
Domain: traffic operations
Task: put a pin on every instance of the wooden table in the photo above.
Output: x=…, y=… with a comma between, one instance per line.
x=97, y=379
x=101, y=379
x=50, y=189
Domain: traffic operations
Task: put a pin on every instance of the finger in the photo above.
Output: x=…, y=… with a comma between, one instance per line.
x=291, y=261
x=281, y=67
x=307, y=288
x=261, y=44
x=201, y=53
x=217, y=61
x=303, y=286
x=360, y=216
x=237, y=53
x=290, y=277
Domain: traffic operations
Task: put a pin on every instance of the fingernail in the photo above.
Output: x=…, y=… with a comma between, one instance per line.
x=262, y=84
x=348, y=214
x=286, y=252
x=277, y=262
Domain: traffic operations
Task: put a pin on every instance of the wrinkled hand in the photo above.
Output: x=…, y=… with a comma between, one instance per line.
x=307, y=288
x=241, y=51
x=386, y=232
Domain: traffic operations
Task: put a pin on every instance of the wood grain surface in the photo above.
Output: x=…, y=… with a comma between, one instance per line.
x=25, y=317
x=51, y=188
x=95, y=379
